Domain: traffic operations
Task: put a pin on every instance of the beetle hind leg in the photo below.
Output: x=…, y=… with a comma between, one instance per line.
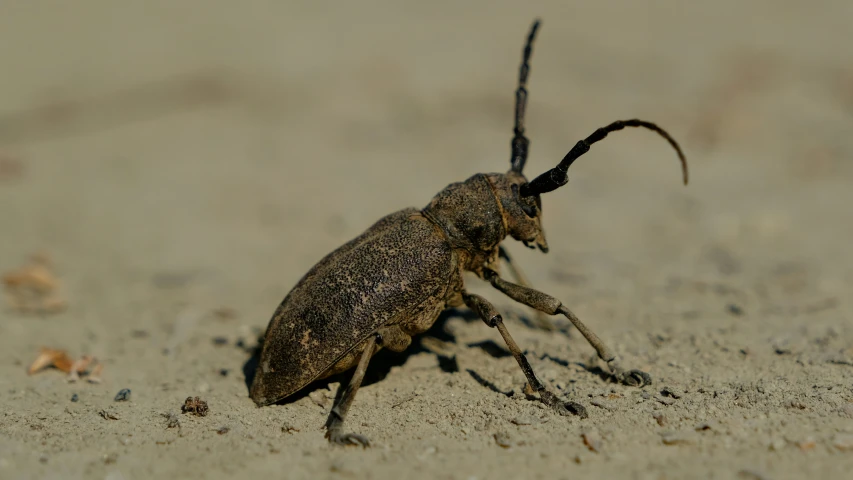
x=493, y=319
x=345, y=397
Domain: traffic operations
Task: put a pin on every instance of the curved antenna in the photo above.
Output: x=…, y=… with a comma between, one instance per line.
x=557, y=177
x=520, y=143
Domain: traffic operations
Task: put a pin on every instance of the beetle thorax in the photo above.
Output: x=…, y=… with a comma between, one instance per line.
x=479, y=213
x=469, y=214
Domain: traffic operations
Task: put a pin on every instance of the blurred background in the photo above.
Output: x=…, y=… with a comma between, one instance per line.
x=246, y=142
x=199, y=154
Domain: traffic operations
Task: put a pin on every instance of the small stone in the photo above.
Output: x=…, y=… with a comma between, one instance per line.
x=526, y=420
x=219, y=341
x=74, y=398
x=592, y=440
x=843, y=442
x=703, y=427
x=108, y=414
x=660, y=418
x=172, y=420
x=223, y=430
x=288, y=428
x=807, y=444
x=318, y=397
x=123, y=395
x=734, y=309
x=671, y=392
x=503, y=439
x=677, y=438
x=750, y=475
x=110, y=458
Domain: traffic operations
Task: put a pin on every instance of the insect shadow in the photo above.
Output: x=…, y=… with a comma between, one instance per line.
x=382, y=363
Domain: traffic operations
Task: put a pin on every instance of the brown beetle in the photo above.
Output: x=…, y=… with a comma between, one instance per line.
x=393, y=281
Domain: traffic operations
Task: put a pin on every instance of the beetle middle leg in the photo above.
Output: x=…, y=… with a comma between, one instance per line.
x=552, y=306
x=493, y=319
x=334, y=425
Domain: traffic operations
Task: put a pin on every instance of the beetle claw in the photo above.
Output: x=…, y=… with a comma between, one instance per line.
x=563, y=408
x=345, y=439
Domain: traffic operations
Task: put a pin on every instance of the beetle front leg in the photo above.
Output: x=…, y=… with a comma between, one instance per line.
x=552, y=306
x=493, y=319
x=335, y=423
x=541, y=321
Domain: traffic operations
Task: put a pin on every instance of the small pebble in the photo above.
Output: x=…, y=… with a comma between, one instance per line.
x=807, y=444
x=74, y=398
x=527, y=420
x=704, y=427
x=735, y=310
x=108, y=414
x=676, y=438
x=592, y=440
x=223, y=430
x=843, y=442
x=503, y=439
x=224, y=372
x=123, y=395
x=670, y=392
x=750, y=475
x=219, y=341
x=172, y=420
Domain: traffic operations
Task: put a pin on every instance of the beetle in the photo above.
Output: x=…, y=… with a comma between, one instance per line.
x=392, y=281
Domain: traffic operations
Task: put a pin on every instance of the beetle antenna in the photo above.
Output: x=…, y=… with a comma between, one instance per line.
x=519, y=141
x=557, y=177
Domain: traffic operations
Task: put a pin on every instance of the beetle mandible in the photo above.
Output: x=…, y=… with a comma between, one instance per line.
x=392, y=281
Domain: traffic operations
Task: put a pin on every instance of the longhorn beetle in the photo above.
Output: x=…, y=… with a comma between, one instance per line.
x=392, y=281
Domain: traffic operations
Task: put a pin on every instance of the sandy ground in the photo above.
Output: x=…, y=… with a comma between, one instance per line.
x=184, y=165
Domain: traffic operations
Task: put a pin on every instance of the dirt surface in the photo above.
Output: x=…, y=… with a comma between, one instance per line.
x=183, y=166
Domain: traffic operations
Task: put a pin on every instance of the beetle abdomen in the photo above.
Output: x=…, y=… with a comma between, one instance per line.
x=376, y=279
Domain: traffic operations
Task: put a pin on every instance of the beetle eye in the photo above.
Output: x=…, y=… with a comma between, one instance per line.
x=530, y=210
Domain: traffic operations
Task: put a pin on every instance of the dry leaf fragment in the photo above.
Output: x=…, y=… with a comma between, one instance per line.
x=59, y=359
x=34, y=287
x=49, y=357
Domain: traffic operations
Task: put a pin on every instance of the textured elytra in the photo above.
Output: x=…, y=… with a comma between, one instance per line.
x=380, y=278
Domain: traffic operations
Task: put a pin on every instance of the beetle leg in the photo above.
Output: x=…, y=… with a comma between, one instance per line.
x=541, y=320
x=493, y=319
x=345, y=397
x=552, y=306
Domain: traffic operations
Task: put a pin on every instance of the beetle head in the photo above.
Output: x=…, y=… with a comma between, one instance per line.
x=522, y=215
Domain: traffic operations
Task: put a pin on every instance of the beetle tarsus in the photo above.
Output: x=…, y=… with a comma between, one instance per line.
x=632, y=378
x=335, y=435
x=563, y=408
